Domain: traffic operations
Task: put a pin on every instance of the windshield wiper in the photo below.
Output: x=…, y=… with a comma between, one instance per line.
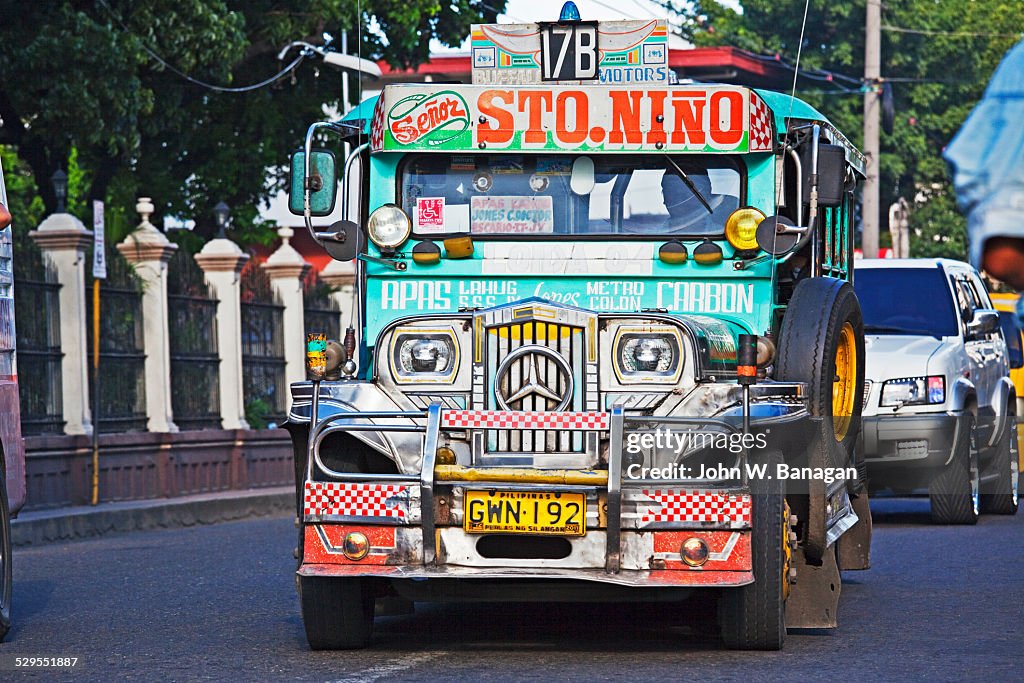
x=689, y=184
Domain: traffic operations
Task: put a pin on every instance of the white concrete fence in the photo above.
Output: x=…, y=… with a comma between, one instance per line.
x=64, y=241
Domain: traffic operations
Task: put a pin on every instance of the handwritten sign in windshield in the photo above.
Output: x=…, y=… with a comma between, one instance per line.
x=512, y=215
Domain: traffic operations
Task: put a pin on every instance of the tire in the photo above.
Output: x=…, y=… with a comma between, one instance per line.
x=1000, y=497
x=753, y=617
x=822, y=341
x=954, y=490
x=337, y=612
x=6, y=566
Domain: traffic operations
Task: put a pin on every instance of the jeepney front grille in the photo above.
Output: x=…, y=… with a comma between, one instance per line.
x=568, y=341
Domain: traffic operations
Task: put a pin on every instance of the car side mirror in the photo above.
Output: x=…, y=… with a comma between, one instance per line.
x=342, y=240
x=831, y=174
x=985, y=322
x=322, y=181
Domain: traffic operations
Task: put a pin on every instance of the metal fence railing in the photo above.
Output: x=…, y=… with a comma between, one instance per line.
x=122, y=405
x=263, y=363
x=195, y=363
x=37, y=312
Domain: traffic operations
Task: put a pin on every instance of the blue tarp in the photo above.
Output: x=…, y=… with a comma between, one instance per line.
x=987, y=156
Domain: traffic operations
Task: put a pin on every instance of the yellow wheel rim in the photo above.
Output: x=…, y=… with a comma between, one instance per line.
x=844, y=385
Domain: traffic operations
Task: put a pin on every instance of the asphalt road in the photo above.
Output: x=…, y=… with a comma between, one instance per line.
x=218, y=603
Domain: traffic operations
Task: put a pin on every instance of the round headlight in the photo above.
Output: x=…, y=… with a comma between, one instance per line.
x=356, y=546
x=741, y=228
x=694, y=552
x=388, y=227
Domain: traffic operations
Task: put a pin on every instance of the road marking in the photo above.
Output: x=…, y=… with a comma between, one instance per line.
x=393, y=667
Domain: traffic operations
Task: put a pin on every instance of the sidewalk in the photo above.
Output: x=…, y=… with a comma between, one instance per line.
x=70, y=523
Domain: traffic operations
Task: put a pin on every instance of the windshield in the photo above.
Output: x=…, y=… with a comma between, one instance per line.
x=906, y=301
x=520, y=194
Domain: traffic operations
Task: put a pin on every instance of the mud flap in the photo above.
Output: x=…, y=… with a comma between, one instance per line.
x=854, y=547
x=814, y=598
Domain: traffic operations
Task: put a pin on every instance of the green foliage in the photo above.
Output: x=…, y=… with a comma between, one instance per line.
x=257, y=413
x=79, y=78
x=937, y=78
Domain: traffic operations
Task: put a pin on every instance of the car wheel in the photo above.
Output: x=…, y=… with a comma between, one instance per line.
x=337, y=612
x=822, y=344
x=1000, y=496
x=753, y=617
x=6, y=566
x=954, y=491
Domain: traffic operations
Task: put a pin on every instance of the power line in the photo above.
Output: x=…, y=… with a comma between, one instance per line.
x=951, y=34
x=209, y=86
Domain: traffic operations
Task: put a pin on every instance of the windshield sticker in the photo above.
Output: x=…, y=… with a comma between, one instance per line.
x=429, y=215
x=512, y=215
x=511, y=164
x=462, y=162
x=554, y=166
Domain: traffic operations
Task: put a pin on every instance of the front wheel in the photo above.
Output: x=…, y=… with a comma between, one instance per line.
x=336, y=612
x=954, y=492
x=753, y=617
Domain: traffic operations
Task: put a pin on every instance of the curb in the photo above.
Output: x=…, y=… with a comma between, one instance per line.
x=66, y=524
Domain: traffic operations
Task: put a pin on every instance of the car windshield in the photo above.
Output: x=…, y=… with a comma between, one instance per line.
x=536, y=195
x=906, y=301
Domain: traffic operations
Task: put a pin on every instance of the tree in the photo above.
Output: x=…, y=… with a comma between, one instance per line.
x=937, y=56
x=100, y=78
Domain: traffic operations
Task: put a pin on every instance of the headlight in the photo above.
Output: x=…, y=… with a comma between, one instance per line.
x=422, y=355
x=388, y=227
x=648, y=354
x=914, y=391
x=741, y=228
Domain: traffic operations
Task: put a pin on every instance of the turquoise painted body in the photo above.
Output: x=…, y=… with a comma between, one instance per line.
x=627, y=278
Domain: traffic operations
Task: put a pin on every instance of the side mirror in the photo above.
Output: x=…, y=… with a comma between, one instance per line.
x=775, y=235
x=985, y=321
x=831, y=174
x=342, y=240
x=323, y=183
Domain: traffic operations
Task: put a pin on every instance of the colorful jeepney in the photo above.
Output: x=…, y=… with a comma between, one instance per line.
x=605, y=343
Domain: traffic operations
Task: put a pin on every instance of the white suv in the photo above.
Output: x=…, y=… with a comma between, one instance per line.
x=939, y=405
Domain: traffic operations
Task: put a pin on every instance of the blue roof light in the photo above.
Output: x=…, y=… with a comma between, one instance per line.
x=569, y=12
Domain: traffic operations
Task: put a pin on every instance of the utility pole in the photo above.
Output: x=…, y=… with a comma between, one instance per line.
x=872, y=105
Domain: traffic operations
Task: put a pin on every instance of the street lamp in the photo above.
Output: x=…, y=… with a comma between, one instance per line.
x=222, y=212
x=60, y=188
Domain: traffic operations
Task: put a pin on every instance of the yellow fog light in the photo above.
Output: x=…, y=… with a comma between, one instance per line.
x=356, y=546
x=445, y=456
x=458, y=247
x=741, y=228
x=694, y=552
x=673, y=252
x=426, y=253
x=707, y=253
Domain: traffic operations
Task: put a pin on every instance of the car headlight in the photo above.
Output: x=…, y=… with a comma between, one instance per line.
x=388, y=227
x=741, y=228
x=648, y=354
x=914, y=391
x=421, y=355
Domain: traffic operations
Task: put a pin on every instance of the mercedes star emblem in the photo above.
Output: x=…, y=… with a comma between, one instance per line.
x=532, y=383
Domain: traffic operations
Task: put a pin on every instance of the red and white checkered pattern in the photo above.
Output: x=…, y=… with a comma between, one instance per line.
x=689, y=505
x=353, y=500
x=377, y=127
x=761, y=129
x=510, y=419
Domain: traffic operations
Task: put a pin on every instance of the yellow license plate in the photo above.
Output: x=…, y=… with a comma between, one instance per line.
x=525, y=512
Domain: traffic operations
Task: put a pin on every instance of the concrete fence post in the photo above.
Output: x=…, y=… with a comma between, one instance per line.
x=222, y=261
x=64, y=240
x=341, y=275
x=149, y=251
x=286, y=269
